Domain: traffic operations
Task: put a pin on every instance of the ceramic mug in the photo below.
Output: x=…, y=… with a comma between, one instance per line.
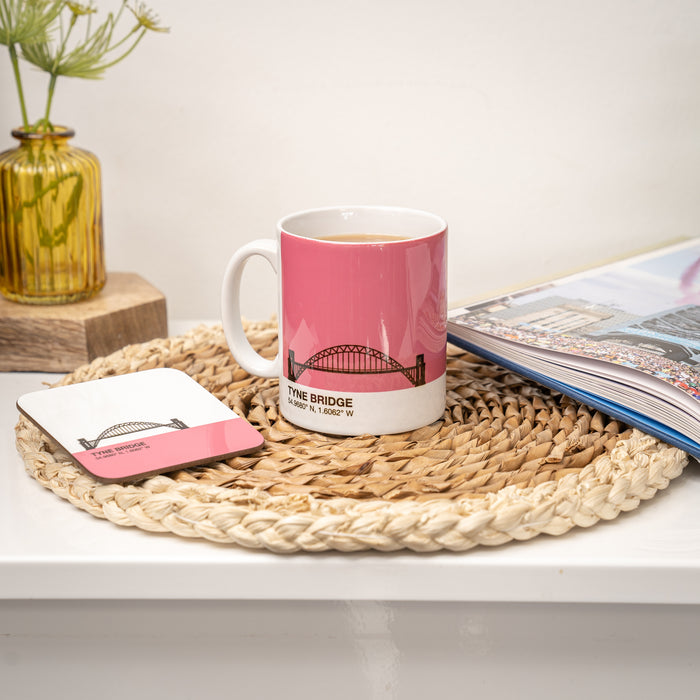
x=362, y=318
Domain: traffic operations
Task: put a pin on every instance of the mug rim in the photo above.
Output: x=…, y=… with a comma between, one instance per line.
x=440, y=222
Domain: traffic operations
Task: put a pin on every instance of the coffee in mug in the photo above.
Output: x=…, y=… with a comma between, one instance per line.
x=362, y=330
x=362, y=238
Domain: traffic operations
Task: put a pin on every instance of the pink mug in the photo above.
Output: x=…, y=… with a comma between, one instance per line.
x=362, y=309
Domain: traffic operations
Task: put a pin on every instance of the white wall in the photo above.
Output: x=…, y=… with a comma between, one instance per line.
x=549, y=133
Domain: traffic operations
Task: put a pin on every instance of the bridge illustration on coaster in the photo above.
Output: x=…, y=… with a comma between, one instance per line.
x=127, y=428
x=355, y=359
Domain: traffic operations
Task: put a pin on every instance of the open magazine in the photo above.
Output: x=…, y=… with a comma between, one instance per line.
x=623, y=338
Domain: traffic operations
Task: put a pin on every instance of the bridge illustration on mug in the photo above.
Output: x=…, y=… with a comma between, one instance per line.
x=355, y=359
x=127, y=428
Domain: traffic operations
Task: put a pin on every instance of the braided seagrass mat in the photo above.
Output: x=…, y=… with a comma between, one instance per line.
x=509, y=460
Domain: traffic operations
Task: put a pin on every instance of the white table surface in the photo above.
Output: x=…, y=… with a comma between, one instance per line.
x=91, y=608
x=50, y=549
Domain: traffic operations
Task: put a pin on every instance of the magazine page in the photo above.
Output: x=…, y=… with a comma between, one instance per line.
x=642, y=313
x=621, y=385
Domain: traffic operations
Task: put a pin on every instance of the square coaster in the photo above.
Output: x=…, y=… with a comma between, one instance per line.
x=131, y=426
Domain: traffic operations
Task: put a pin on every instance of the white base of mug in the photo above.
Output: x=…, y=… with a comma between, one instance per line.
x=360, y=413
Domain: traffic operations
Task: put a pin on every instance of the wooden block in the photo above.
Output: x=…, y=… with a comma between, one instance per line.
x=59, y=338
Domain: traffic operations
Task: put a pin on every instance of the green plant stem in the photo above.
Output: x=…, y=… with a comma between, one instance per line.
x=128, y=51
x=49, y=99
x=18, y=82
x=54, y=74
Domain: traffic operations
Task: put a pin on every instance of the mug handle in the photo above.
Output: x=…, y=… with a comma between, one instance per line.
x=243, y=352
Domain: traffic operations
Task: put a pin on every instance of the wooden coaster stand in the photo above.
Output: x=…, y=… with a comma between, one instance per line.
x=59, y=338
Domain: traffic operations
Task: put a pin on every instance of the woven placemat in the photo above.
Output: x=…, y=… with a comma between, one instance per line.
x=509, y=460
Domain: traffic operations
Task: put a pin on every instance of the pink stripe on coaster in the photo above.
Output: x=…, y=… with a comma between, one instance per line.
x=173, y=450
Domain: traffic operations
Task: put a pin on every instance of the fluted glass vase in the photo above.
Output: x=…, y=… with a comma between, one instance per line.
x=51, y=248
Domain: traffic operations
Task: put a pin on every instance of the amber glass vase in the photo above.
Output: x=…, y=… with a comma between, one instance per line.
x=51, y=248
